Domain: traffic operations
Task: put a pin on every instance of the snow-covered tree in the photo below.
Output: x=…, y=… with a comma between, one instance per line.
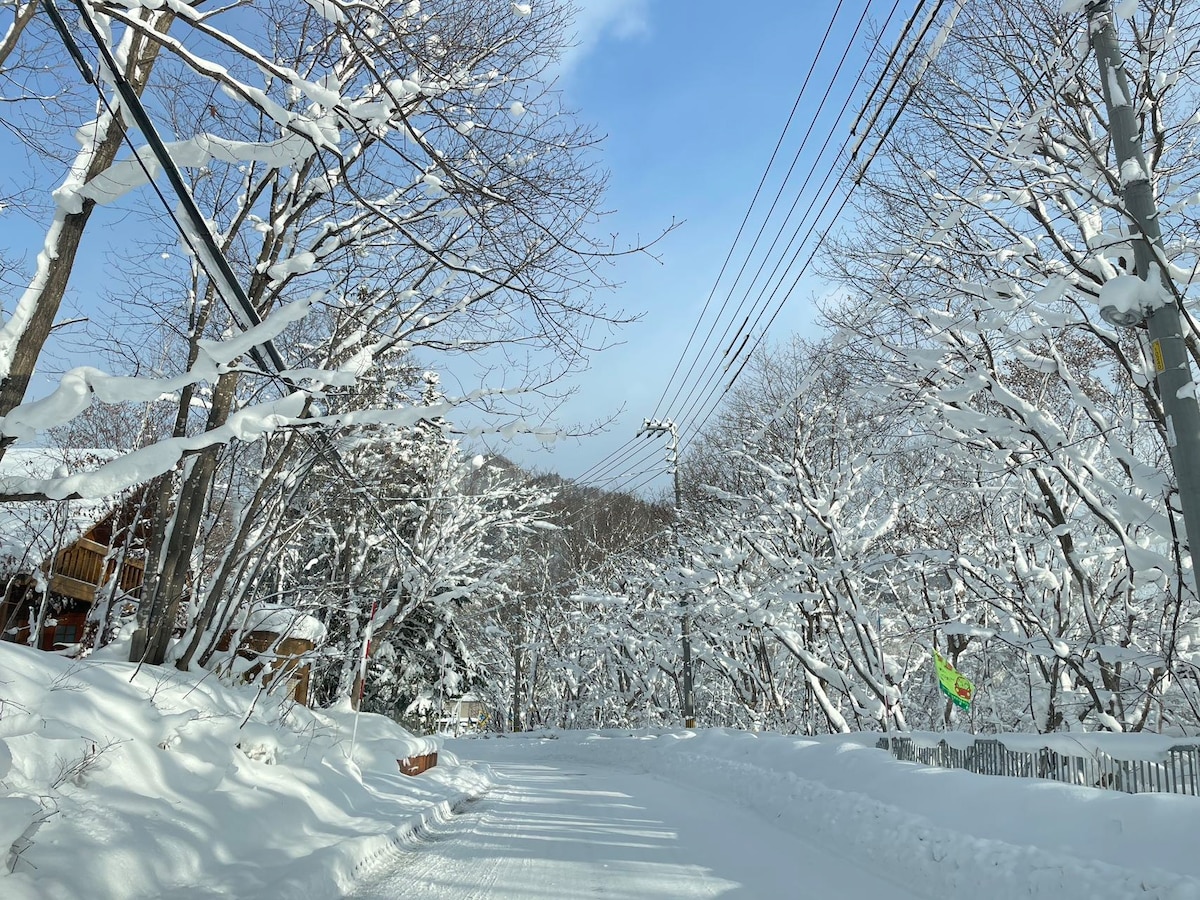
x=383, y=179
x=984, y=237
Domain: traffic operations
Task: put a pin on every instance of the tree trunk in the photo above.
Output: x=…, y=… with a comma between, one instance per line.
x=518, y=660
x=177, y=539
x=34, y=315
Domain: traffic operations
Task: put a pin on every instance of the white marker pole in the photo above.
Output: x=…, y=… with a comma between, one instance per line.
x=362, y=675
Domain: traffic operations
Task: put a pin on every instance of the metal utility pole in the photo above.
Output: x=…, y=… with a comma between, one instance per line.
x=668, y=427
x=1167, y=347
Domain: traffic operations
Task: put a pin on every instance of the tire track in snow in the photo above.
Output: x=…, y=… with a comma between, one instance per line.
x=583, y=832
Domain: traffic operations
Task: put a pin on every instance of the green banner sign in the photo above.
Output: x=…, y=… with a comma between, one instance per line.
x=955, y=686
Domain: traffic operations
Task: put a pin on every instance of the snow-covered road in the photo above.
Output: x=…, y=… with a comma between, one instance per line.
x=561, y=829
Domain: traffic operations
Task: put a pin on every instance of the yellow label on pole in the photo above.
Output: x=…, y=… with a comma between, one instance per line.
x=1160, y=364
x=955, y=686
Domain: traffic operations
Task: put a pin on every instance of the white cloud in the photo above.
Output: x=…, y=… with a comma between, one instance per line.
x=600, y=20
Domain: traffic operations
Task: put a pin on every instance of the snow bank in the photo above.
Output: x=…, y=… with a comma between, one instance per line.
x=123, y=782
x=944, y=832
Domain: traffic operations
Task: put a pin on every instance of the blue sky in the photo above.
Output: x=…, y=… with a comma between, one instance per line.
x=692, y=99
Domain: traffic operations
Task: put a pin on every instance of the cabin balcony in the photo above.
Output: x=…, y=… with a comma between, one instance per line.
x=82, y=568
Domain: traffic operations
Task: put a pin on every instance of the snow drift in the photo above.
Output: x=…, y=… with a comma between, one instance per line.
x=120, y=781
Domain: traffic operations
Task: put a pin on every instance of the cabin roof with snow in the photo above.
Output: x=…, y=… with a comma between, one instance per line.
x=284, y=621
x=31, y=531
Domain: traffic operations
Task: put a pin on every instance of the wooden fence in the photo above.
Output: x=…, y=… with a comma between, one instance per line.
x=1178, y=772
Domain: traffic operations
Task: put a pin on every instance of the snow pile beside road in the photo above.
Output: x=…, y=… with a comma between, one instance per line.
x=121, y=783
x=942, y=832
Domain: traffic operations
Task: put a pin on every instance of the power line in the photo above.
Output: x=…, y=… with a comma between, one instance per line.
x=746, y=218
x=753, y=200
x=609, y=462
x=736, y=343
x=997, y=133
x=741, y=345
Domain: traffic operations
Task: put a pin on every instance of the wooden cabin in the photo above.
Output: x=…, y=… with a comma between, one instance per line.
x=70, y=551
x=281, y=640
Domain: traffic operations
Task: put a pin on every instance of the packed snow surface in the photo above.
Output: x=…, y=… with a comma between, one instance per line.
x=573, y=825
x=733, y=814
x=125, y=782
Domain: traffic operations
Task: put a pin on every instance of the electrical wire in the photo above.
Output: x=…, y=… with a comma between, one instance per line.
x=601, y=465
x=739, y=349
x=698, y=410
x=998, y=133
x=736, y=343
x=754, y=200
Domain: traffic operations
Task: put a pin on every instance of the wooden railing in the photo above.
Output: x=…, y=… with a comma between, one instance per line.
x=81, y=568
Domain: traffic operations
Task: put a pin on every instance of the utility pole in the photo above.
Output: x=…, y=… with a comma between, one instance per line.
x=668, y=427
x=1167, y=347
